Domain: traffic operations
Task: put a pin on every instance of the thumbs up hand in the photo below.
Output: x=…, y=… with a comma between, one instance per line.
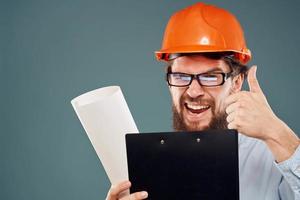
x=249, y=112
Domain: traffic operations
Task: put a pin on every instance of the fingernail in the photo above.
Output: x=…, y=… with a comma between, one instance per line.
x=144, y=194
x=255, y=71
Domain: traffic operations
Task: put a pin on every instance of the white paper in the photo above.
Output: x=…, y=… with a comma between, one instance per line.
x=106, y=118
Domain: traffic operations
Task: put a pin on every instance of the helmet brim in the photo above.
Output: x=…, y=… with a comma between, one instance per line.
x=164, y=54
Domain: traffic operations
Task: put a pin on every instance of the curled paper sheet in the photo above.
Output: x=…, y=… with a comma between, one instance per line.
x=106, y=119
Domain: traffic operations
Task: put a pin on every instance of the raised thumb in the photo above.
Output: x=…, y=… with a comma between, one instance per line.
x=252, y=80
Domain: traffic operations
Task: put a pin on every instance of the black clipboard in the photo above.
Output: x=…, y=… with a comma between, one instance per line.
x=184, y=165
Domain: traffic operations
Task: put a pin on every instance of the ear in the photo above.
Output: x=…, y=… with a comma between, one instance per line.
x=237, y=83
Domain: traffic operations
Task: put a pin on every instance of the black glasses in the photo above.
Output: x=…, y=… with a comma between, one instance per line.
x=211, y=79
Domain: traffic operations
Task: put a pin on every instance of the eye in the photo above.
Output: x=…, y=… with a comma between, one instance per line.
x=209, y=77
x=182, y=77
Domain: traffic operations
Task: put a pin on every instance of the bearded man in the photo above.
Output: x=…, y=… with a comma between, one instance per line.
x=206, y=57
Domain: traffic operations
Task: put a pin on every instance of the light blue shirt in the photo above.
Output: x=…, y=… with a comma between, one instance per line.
x=261, y=178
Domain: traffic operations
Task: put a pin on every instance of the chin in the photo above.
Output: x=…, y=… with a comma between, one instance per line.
x=196, y=126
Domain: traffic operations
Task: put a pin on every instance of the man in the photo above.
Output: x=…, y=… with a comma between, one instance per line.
x=206, y=54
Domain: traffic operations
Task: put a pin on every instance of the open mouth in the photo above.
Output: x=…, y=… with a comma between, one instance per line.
x=195, y=108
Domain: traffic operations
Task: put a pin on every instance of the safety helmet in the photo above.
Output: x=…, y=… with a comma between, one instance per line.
x=202, y=28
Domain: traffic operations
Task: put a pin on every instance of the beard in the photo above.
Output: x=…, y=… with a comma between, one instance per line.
x=218, y=120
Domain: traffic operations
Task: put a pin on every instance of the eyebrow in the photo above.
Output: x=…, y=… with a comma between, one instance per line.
x=215, y=69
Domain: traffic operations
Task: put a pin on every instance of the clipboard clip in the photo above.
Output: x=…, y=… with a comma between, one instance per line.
x=162, y=141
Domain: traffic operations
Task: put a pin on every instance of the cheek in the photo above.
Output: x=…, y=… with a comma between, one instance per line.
x=176, y=94
x=219, y=97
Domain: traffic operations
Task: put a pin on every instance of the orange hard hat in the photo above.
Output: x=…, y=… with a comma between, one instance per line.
x=203, y=28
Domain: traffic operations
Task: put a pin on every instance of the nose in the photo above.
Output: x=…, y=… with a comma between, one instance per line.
x=195, y=89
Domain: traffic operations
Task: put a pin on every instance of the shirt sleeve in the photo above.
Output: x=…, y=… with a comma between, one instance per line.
x=290, y=170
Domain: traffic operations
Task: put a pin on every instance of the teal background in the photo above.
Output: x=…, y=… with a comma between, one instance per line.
x=53, y=51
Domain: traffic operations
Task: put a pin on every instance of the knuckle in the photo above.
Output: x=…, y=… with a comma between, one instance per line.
x=113, y=190
x=231, y=126
x=228, y=118
x=227, y=110
x=116, y=190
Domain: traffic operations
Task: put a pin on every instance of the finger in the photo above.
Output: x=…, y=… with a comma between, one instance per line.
x=116, y=190
x=230, y=118
x=233, y=107
x=232, y=99
x=252, y=80
x=136, y=196
x=232, y=125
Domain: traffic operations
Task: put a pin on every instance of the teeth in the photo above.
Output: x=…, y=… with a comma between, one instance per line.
x=196, y=107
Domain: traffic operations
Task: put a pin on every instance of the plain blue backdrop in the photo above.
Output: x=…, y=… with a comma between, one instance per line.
x=53, y=51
